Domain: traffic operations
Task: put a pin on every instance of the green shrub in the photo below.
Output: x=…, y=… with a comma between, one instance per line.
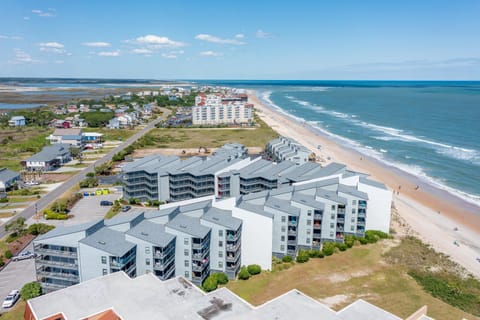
x=302, y=256
x=210, y=283
x=254, y=269
x=315, y=254
x=30, y=290
x=362, y=240
x=90, y=175
x=1, y=262
x=8, y=254
x=349, y=241
x=221, y=278
x=3, y=200
x=132, y=200
x=89, y=182
x=287, y=259
x=51, y=215
x=243, y=274
x=328, y=248
x=39, y=228
x=342, y=246
x=373, y=236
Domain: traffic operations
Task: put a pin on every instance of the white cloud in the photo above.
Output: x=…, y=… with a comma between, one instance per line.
x=22, y=57
x=96, y=44
x=211, y=54
x=240, y=36
x=50, y=13
x=4, y=37
x=109, y=53
x=157, y=42
x=142, y=51
x=26, y=18
x=53, y=47
x=214, y=39
x=262, y=34
x=169, y=56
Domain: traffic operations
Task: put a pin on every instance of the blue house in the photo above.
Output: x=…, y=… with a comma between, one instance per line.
x=16, y=121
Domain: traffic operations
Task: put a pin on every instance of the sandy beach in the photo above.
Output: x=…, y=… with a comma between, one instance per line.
x=446, y=222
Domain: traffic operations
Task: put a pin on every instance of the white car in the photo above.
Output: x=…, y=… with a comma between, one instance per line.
x=11, y=299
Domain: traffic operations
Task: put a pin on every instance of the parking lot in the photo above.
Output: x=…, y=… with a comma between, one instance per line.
x=15, y=275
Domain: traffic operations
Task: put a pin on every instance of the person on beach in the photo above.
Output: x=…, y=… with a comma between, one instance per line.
x=417, y=187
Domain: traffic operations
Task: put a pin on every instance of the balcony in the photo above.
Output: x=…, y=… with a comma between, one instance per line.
x=317, y=216
x=292, y=242
x=45, y=251
x=340, y=228
x=201, y=245
x=292, y=232
x=52, y=286
x=200, y=256
x=233, y=247
x=317, y=226
x=341, y=211
x=200, y=267
x=56, y=263
x=292, y=223
x=341, y=220
x=232, y=257
x=361, y=223
x=160, y=266
x=59, y=275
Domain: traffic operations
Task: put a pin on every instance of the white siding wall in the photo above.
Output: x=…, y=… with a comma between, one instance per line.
x=378, y=207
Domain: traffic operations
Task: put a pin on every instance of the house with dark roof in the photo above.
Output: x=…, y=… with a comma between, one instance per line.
x=8, y=178
x=50, y=158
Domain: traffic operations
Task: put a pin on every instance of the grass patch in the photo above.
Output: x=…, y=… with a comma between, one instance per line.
x=207, y=137
x=16, y=313
x=361, y=272
x=22, y=199
x=6, y=214
x=20, y=143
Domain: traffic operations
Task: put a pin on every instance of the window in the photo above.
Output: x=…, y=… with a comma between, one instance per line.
x=331, y=234
x=282, y=247
x=187, y=263
x=309, y=222
x=186, y=252
x=220, y=264
x=187, y=274
x=332, y=225
x=220, y=244
x=309, y=231
x=282, y=238
x=147, y=262
x=333, y=207
x=354, y=202
x=353, y=219
x=354, y=211
x=332, y=216
x=104, y=271
x=220, y=233
x=308, y=240
x=104, y=260
x=309, y=213
x=220, y=254
x=147, y=250
x=284, y=219
x=352, y=228
x=284, y=229
x=186, y=241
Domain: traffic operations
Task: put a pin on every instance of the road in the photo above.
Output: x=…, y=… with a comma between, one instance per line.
x=43, y=202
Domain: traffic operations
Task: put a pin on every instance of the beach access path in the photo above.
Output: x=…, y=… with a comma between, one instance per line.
x=446, y=222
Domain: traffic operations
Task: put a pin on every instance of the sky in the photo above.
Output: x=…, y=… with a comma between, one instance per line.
x=341, y=39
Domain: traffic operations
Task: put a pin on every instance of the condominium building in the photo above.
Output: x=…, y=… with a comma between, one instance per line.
x=116, y=296
x=191, y=240
x=213, y=109
x=284, y=148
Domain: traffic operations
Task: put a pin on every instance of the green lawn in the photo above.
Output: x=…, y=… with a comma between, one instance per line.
x=208, y=137
x=113, y=134
x=16, y=313
x=360, y=272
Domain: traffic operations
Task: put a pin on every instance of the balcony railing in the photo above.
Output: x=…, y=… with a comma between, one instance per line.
x=232, y=258
x=233, y=236
x=162, y=265
x=52, y=286
x=200, y=245
x=292, y=223
x=200, y=256
x=56, y=263
x=59, y=275
x=199, y=267
x=317, y=226
x=360, y=223
x=53, y=252
x=233, y=247
x=341, y=220
x=292, y=242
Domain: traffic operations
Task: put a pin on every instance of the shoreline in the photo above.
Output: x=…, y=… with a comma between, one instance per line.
x=431, y=212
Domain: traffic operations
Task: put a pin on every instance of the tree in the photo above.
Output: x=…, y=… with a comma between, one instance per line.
x=221, y=278
x=75, y=152
x=210, y=283
x=328, y=248
x=16, y=227
x=254, y=269
x=39, y=228
x=30, y=290
x=302, y=256
x=59, y=206
x=104, y=169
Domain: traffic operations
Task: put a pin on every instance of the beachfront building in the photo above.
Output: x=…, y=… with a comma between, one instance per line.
x=214, y=109
x=191, y=240
x=72, y=137
x=147, y=297
x=173, y=179
x=50, y=158
x=284, y=148
x=16, y=121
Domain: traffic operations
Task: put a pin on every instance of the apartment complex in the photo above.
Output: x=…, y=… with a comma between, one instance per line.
x=193, y=241
x=284, y=148
x=116, y=296
x=214, y=109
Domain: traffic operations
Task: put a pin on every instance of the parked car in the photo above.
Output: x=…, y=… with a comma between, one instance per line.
x=11, y=299
x=24, y=255
x=106, y=203
x=126, y=208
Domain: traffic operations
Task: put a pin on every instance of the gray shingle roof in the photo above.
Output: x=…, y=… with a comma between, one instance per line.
x=171, y=212
x=330, y=195
x=151, y=232
x=308, y=201
x=223, y=218
x=254, y=208
x=6, y=174
x=373, y=183
x=50, y=153
x=61, y=231
x=110, y=241
x=282, y=205
x=125, y=218
x=189, y=226
x=352, y=191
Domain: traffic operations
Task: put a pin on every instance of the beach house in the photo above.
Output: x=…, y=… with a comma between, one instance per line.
x=72, y=137
x=17, y=121
x=8, y=179
x=50, y=158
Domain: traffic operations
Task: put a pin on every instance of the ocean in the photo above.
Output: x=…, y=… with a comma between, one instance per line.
x=429, y=129
x=426, y=128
